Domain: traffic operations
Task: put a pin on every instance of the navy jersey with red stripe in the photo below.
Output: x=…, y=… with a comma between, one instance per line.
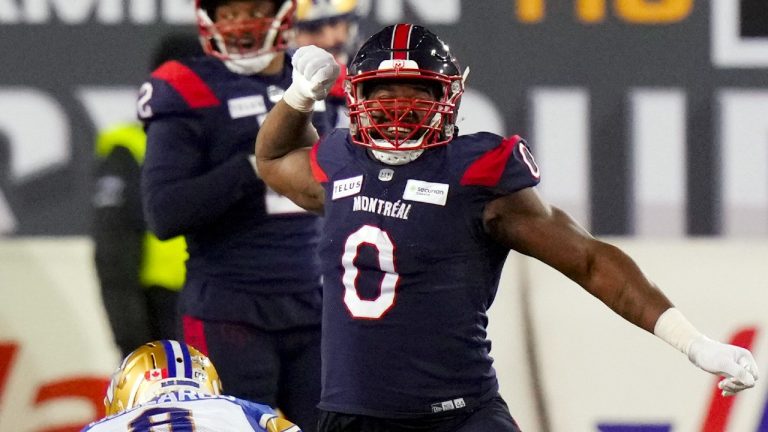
x=409, y=273
x=201, y=121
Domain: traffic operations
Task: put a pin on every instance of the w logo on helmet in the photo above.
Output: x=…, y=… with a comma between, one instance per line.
x=398, y=64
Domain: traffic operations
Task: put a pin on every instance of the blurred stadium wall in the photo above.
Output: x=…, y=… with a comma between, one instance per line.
x=566, y=363
x=648, y=117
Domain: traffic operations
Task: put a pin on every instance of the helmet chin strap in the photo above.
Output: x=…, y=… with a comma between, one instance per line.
x=252, y=65
x=396, y=157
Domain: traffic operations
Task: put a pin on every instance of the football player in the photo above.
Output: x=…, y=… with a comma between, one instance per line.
x=172, y=386
x=328, y=24
x=252, y=299
x=331, y=25
x=418, y=223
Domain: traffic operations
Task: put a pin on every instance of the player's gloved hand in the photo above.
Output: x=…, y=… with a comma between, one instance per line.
x=314, y=72
x=734, y=363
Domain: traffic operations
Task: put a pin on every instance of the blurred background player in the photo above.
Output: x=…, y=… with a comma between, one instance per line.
x=139, y=275
x=252, y=299
x=172, y=386
x=333, y=26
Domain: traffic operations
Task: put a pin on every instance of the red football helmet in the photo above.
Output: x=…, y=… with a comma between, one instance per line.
x=404, y=53
x=243, y=39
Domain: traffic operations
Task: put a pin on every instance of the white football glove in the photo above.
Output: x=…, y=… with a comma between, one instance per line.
x=734, y=363
x=314, y=73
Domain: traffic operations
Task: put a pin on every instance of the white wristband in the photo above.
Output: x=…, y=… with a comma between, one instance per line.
x=673, y=328
x=296, y=100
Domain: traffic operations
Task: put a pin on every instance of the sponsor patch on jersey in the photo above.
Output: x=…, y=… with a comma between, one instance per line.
x=246, y=106
x=386, y=174
x=347, y=187
x=430, y=193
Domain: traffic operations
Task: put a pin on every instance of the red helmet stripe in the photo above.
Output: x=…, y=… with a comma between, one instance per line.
x=184, y=80
x=401, y=40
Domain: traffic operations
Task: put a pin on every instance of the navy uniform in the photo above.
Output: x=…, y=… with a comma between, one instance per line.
x=252, y=297
x=404, y=253
x=418, y=221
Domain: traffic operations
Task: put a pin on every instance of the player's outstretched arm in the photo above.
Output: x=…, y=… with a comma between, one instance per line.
x=525, y=223
x=283, y=142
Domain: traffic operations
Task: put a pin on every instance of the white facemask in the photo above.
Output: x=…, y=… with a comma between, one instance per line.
x=251, y=65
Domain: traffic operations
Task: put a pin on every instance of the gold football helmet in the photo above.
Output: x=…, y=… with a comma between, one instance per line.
x=156, y=368
x=330, y=24
x=311, y=10
x=277, y=424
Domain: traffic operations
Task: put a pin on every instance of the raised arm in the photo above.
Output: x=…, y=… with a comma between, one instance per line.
x=525, y=223
x=285, y=138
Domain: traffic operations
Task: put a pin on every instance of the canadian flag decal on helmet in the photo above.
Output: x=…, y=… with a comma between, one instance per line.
x=155, y=374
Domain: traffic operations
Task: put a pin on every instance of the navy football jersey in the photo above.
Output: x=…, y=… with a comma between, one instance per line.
x=409, y=273
x=201, y=121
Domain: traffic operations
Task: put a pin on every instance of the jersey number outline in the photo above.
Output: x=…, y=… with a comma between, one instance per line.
x=379, y=239
x=179, y=420
x=142, y=104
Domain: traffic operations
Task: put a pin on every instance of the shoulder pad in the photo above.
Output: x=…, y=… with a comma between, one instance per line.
x=493, y=161
x=174, y=88
x=329, y=154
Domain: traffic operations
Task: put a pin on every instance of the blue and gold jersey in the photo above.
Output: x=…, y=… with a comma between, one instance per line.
x=409, y=273
x=187, y=411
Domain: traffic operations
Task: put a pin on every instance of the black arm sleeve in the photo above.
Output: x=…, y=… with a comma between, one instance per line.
x=180, y=192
